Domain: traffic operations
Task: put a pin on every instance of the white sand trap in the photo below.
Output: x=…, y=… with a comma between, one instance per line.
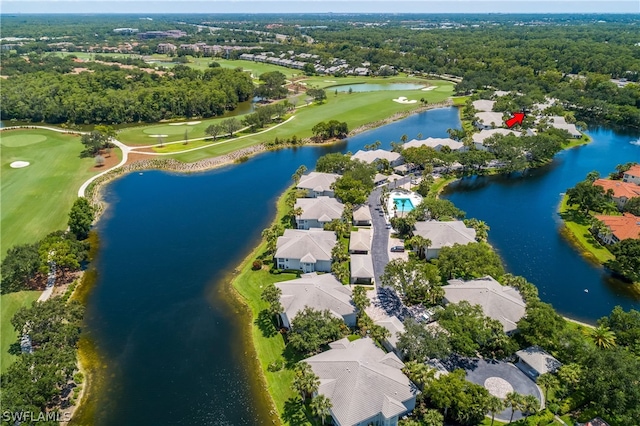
x=193, y=123
x=176, y=124
x=158, y=136
x=330, y=81
x=404, y=100
x=19, y=164
x=426, y=89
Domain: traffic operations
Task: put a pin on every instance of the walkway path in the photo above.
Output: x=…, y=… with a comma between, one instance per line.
x=51, y=281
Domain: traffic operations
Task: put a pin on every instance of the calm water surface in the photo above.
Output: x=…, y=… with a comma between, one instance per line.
x=160, y=313
x=525, y=227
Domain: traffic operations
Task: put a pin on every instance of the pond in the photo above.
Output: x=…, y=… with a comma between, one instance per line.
x=375, y=87
x=526, y=229
x=173, y=340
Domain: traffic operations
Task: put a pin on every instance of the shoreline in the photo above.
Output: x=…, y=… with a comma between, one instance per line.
x=95, y=195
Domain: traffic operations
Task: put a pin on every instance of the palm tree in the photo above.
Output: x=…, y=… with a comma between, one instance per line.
x=602, y=336
x=548, y=381
x=419, y=373
x=321, y=407
x=419, y=135
x=305, y=382
x=404, y=138
x=495, y=405
x=297, y=212
x=419, y=244
x=530, y=405
x=514, y=401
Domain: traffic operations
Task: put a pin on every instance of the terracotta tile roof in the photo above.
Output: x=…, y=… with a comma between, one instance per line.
x=620, y=188
x=623, y=227
x=634, y=170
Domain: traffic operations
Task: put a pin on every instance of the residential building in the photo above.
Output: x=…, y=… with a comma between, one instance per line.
x=362, y=269
x=535, y=362
x=316, y=212
x=305, y=250
x=620, y=227
x=318, y=184
x=443, y=234
x=621, y=191
x=166, y=48
x=364, y=384
x=597, y=421
x=483, y=135
x=483, y=105
x=503, y=303
x=125, y=30
x=362, y=216
x=395, y=328
x=321, y=292
x=435, y=143
x=559, y=122
x=370, y=157
x=360, y=241
x=485, y=120
x=632, y=175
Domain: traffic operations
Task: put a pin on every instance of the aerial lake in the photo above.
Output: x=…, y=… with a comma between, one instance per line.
x=161, y=314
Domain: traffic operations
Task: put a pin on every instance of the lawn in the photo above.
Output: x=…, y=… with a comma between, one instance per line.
x=36, y=199
x=9, y=305
x=356, y=109
x=577, y=225
x=268, y=342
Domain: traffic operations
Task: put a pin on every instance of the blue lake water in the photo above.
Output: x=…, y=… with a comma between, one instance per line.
x=172, y=341
x=525, y=228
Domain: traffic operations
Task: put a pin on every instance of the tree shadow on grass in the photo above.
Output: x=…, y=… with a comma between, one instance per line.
x=291, y=356
x=294, y=412
x=265, y=324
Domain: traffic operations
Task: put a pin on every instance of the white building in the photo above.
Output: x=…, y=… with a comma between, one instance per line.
x=305, y=250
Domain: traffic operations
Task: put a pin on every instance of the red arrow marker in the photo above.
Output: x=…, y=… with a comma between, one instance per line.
x=516, y=119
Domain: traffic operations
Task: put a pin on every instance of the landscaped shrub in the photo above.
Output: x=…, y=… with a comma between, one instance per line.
x=257, y=265
x=276, y=365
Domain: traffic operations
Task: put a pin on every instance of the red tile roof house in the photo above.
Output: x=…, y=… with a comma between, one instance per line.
x=632, y=175
x=620, y=227
x=622, y=191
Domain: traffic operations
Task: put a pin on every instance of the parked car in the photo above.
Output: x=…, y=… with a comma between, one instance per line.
x=388, y=226
x=399, y=249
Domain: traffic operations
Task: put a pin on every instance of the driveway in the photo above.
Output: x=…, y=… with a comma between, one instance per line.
x=498, y=378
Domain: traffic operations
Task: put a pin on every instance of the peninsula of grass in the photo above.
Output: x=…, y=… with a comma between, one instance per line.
x=577, y=231
x=36, y=199
x=269, y=344
x=10, y=304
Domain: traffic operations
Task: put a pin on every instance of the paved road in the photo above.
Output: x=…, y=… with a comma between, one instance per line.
x=380, y=241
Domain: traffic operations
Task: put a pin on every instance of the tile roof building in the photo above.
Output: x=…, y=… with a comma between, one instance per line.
x=316, y=212
x=305, y=250
x=622, y=191
x=620, y=227
x=499, y=302
x=443, y=234
x=364, y=384
x=320, y=292
x=318, y=184
x=632, y=175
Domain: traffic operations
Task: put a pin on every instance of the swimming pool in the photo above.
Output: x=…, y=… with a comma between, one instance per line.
x=403, y=205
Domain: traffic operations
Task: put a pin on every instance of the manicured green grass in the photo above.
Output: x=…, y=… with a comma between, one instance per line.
x=268, y=342
x=9, y=305
x=577, y=225
x=439, y=185
x=460, y=100
x=36, y=199
x=577, y=142
x=356, y=109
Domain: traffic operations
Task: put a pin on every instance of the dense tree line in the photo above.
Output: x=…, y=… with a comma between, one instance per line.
x=113, y=95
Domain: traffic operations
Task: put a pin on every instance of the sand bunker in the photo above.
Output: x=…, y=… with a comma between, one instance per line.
x=176, y=124
x=19, y=164
x=426, y=89
x=330, y=81
x=193, y=123
x=404, y=100
x=158, y=136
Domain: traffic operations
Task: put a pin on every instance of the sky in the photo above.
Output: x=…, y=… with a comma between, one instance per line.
x=319, y=6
